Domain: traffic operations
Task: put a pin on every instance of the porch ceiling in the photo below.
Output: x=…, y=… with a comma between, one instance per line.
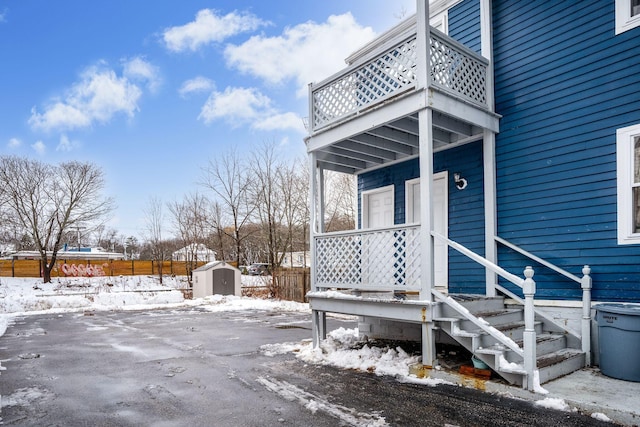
x=394, y=141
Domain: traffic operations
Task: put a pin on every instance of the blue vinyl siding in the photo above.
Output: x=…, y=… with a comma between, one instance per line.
x=464, y=23
x=466, y=207
x=564, y=83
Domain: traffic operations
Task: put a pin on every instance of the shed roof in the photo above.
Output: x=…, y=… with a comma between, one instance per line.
x=213, y=264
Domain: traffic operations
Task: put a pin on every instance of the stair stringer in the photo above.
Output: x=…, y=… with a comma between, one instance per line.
x=472, y=341
x=485, y=336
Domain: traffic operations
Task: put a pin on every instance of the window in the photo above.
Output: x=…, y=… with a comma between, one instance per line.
x=440, y=21
x=628, y=164
x=627, y=15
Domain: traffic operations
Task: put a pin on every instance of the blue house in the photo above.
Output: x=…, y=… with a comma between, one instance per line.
x=526, y=117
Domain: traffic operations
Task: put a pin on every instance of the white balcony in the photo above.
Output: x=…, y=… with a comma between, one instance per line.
x=367, y=114
x=390, y=71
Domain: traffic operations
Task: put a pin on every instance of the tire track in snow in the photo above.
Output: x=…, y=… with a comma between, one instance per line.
x=314, y=403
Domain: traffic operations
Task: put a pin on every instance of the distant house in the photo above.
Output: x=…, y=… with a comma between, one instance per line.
x=194, y=252
x=491, y=140
x=297, y=259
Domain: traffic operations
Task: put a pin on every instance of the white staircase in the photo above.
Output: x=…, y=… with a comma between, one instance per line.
x=494, y=333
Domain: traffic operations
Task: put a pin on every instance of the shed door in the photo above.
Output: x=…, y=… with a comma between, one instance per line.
x=223, y=281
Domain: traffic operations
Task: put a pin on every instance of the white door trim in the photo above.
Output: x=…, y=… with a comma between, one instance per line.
x=409, y=210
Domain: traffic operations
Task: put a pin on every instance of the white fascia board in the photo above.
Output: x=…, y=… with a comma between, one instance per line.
x=371, y=119
x=464, y=110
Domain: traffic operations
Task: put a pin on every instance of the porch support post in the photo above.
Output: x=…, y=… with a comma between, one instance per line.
x=490, y=223
x=318, y=318
x=488, y=150
x=529, y=334
x=425, y=129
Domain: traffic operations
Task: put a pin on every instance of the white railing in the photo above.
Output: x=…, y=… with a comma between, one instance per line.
x=375, y=259
x=453, y=68
x=585, y=284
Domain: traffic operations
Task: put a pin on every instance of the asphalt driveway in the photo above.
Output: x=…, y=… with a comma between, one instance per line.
x=190, y=367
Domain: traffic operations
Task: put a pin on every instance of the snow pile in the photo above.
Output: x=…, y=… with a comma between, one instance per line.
x=601, y=417
x=344, y=349
x=19, y=296
x=219, y=303
x=553, y=403
x=25, y=295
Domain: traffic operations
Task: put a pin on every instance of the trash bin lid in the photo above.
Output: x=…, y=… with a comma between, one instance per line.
x=629, y=309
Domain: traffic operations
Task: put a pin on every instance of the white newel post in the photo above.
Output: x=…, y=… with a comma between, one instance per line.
x=585, y=283
x=529, y=335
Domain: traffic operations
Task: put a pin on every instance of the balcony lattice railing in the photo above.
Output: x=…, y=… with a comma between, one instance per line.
x=376, y=259
x=453, y=68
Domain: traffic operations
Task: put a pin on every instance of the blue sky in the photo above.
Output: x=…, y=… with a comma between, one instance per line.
x=150, y=91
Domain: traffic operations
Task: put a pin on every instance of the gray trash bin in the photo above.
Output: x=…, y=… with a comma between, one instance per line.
x=619, y=340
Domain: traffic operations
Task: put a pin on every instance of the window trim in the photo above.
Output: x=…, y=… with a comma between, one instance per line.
x=624, y=20
x=624, y=158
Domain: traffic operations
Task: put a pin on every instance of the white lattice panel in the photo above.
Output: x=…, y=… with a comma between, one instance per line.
x=379, y=78
x=456, y=70
x=452, y=68
x=380, y=259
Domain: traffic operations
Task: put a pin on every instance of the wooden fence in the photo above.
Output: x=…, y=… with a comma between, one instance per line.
x=292, y=284
x=92, y=268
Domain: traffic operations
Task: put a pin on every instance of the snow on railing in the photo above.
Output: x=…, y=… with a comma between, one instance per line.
x=374, y=259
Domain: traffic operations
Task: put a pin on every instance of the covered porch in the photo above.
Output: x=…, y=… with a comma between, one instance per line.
x=410, y=94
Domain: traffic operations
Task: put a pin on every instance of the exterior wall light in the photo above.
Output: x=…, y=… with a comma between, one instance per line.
x=461, y=183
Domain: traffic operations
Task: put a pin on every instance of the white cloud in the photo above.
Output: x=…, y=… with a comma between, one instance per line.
x=140, y=70
x=209, y=27
x=197, y=84
x=39, y=147
x=240, y=106
x=97, y=97
x=237, y=105
x=14, y=143
x=66, y=144
x=3, y=15
x=305, y=53
x=280, y=122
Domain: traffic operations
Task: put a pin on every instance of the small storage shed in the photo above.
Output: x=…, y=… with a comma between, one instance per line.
x=216, y=277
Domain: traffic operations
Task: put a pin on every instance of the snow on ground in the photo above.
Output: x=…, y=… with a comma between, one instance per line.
x=344, y=349
x=29, y=295
x=23, y=296
x=19, y=296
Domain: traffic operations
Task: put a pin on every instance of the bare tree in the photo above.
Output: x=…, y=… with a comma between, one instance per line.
x=272, y=198
x=294, y=186
x=230, y=181
x=191, y=224
x=340, y=202
x=154, y=225
x=47, y=201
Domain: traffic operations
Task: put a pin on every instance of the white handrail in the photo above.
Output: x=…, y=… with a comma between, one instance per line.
x=499, y=336
x=480, y=260
x=538, y=259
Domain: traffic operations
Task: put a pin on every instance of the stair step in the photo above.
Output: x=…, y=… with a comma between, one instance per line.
x=475, y=303
x=559, y=363
x=547, y=342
